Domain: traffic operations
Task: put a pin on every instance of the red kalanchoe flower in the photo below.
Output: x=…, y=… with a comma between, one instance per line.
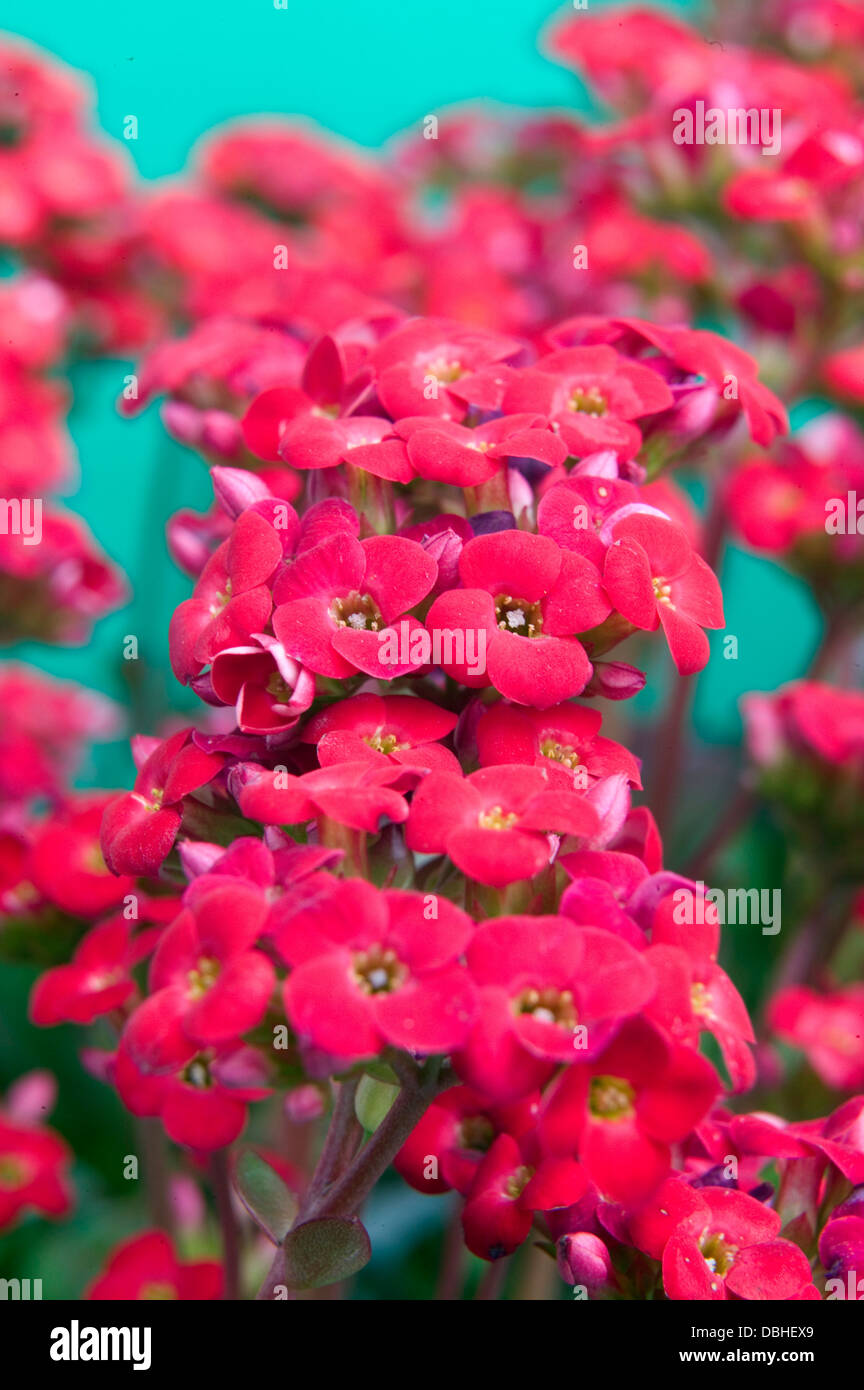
x=653, y=576
x=454, y=454
x=269, y=689
x=375, y=969
x=45, y=726
x=99, y=978
x=426, y=367
x=828, y=1027
x=575, y=511
x=208, y=985
x=841, y=1245
x=457, y=1130
x=231, y=600
x=139, y=828
x=203, y=1104
x=495, y=824
x=506, y=1192
x=33, y=1171
x=689, y=353
x=550, y=992
x=604, y=883
x=66, y=863
x=694, y=994
x=306, y=425
x=338, y=601
x=717, y=1243
x=147, y=1268
x=523, y=600
x=564, y=740
x=360, y=794
x=380, y=729
x=592, y=396
x=621, y=1112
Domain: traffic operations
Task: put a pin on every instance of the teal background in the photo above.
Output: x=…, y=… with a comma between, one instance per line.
x=365, y=71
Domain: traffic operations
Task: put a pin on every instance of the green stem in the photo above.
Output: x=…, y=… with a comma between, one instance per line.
x=347, y=1193
x=228, y=1223
x=341, y=1142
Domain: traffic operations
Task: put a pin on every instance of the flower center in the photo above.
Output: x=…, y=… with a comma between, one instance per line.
x=14, y=1172
x=358, y=611
x=279, y=688
x=611, y=1098
x=157, y=795
x=518, y=1181
x=560, y=752
x=700, y=998
x=588, y=401
x=160, y=1293
x=515, y=615
x=203, y=977
x=92, y=861
x=378, y=971
x=197, y=1074
x=662, y=590
x=221, y=600
x=717, y=1254
x=476, y=1132
x=549, y=1006
x=496, y=818
x=384, y=743
x=445, y=371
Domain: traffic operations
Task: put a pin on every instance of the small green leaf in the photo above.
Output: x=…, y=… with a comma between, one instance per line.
x=264, y=1195
x=325, y=1251
x=372, y=1101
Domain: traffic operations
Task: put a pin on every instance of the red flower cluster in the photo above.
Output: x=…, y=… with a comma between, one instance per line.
x=400, y=867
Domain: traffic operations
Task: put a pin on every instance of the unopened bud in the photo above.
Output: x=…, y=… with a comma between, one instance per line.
x=584, y=1259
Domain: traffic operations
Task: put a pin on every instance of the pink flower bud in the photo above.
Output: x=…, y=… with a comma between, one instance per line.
x=304, y=1103
x=615, y=680
x=610, y=798
x=693, y=414
x=236, y=489
x=183, y=422
x=188, y=542
x=603, y=464
x=198, y=857
x=445, y=547
x=584, y=1259
x=222, y=434
x=187, y=1202
x=31, y=1098
x=763, y=724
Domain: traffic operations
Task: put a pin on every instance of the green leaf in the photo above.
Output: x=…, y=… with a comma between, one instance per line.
x=264, y=1195
x=372, y=1101
x=325, y=1251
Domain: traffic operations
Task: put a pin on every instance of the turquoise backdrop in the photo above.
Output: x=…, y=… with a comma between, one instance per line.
x=365, y=71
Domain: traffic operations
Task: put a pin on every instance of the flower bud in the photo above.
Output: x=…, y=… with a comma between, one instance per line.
x=615, y=680
x=236, y=489
x=584, y=1259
